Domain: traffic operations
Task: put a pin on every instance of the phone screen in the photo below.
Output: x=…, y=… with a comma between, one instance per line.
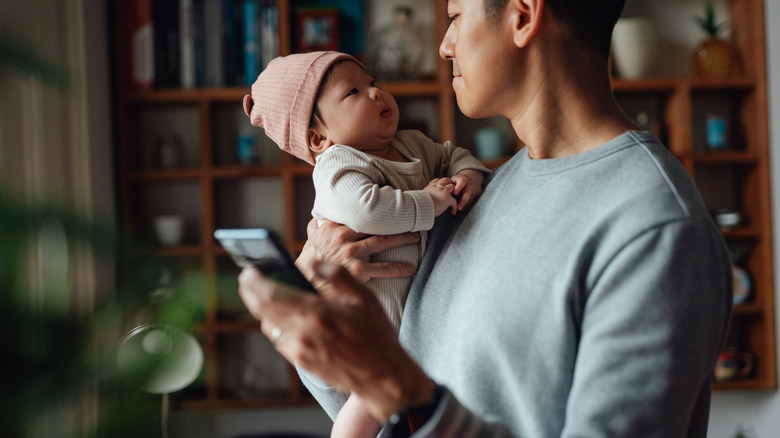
x=263, y=249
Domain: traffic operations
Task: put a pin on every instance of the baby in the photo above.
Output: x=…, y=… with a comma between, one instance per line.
x=325, y=109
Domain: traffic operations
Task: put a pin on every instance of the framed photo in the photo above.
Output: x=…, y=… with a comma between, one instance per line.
x=317, y=29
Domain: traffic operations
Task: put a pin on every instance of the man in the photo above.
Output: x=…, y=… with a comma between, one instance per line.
x=587, y=293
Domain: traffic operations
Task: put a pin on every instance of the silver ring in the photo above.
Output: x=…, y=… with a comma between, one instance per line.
x=276, y=333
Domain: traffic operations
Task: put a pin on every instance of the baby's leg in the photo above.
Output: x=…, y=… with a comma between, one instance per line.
x=354, y=421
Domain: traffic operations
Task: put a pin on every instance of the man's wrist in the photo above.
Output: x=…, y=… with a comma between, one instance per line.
x=409, y=419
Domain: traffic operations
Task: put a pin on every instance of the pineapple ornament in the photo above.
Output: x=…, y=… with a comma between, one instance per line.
x=713, y=56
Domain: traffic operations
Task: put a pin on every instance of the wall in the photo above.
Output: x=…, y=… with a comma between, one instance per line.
x=758, y=411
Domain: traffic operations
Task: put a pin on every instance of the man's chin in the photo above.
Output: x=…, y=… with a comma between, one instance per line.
x=470, y=109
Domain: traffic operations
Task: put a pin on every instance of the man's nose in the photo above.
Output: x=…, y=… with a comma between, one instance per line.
x=447, y=44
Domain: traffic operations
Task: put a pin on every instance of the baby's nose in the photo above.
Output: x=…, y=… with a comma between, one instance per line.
x=376, y=93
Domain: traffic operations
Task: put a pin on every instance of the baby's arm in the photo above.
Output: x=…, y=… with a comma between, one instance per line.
x=351, y=190
x=354, y=421
x=468, y=184
x=441, y=190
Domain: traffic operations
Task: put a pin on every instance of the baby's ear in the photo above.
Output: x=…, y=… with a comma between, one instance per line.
x=318, y=142
x=248, y=104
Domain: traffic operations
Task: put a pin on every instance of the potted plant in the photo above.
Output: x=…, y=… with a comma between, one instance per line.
x=713, y=56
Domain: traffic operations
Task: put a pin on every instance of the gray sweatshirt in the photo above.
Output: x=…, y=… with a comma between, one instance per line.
x=586, y=296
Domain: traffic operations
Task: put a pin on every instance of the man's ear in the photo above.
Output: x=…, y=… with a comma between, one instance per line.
x=526, y=17
x=318, y=141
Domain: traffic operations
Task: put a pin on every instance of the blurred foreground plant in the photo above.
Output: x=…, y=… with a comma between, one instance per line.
x=58, y=345
x=56, y=356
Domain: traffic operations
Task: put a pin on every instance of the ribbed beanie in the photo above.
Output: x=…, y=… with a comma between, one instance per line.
x=283, y=98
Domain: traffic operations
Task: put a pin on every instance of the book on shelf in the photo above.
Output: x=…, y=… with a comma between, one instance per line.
x=191, y=36
x=141, y=43
x=165, y=26
x=231, y=17
x=269, y=33
x=199, y=42
x=187, y=43
x=214, y=32
x=251, y=40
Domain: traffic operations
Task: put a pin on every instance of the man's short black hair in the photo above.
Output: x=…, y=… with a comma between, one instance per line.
x=589, y=21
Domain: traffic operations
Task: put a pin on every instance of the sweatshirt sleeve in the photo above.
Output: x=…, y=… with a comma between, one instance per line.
x=347, y=193
x=651, y=329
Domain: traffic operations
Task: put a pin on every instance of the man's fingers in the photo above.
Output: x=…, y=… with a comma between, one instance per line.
x=259, y=292
x=384, y=270
x=343, y=285
x=312, y=227
x=465, y=197
x=376, y=244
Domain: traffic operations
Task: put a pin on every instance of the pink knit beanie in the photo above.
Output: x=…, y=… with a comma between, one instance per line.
x=283, y=98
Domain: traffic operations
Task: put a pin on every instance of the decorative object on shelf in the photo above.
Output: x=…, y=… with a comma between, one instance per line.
x=317, y=29
x=169, y=152
x=645, y=122
x=246, y=147
x=169, y=229
x=733, y=364
x=727, y=218
x=713, y=56
x=394, y=49
x=717, y=131
x=489, y=143
x=743, y=286
x=155, y=355
x=634, y=47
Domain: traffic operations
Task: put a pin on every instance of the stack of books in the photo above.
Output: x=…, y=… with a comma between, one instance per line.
x=200, y=43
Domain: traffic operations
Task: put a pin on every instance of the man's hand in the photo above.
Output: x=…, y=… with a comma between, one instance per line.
x=338, y=243
x=342, y=335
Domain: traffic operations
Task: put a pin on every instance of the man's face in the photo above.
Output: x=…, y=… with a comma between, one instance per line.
x=480, y=54
x=355, y=112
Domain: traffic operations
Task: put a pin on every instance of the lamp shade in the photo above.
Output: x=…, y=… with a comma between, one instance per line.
x=159, y=359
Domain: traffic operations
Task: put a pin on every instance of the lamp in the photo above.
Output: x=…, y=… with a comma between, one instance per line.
x=158, y=357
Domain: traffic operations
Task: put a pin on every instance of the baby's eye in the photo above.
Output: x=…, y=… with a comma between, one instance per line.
x=373, y=83
x=352, y=91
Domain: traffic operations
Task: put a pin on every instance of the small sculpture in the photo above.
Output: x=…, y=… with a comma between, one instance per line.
x=395, y=51
x=713, y=56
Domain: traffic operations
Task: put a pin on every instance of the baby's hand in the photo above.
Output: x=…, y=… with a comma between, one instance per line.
x=440, y=190
x=468, y=185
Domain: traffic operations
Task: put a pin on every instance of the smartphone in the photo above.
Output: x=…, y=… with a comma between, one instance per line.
x=263, y=248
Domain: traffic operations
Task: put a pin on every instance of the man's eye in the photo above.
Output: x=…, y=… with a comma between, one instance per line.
x=451, y=18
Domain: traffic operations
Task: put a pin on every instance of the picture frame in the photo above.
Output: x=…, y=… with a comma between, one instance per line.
x=316, y=29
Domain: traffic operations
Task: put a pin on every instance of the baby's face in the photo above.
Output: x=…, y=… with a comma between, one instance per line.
x=355, y=112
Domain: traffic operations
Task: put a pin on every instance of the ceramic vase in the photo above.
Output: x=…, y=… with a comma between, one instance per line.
x=634, y=47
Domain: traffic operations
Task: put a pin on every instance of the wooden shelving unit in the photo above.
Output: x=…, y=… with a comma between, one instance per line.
x=211, y=185
x=736, y=178
x=206, y=187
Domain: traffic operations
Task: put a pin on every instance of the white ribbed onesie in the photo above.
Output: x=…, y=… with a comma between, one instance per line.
x=377, y=196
